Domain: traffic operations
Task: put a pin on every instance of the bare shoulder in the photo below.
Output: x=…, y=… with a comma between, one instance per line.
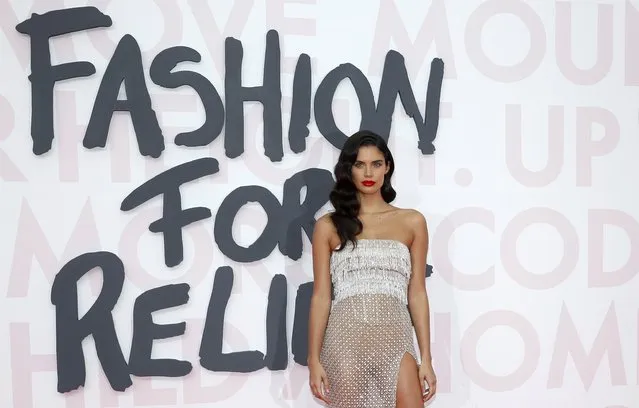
x=415, y=222
x=324, y=228
x=414, y=217
x=325, y=223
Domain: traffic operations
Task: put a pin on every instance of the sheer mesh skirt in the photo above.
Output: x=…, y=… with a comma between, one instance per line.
x=366, y=338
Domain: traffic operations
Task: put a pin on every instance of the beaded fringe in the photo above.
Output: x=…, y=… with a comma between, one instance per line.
x=373, y=267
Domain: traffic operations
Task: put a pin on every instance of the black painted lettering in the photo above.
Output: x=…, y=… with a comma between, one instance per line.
x=299, y=341
x=125, y=67
x=225, y=217
x=269, y=94
x=97, y=322
x=301, y=106
x=324, y=102
x=276, y=357
x=145, y=331
x=211, y=356
x=43, y=75
x=301, y=217
x=395, y=82
x=174, y=218
x=161, y=74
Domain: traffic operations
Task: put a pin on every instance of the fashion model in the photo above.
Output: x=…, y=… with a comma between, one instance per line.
x=369, y=295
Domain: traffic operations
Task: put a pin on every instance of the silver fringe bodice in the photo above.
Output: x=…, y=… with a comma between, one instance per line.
x=374, y=266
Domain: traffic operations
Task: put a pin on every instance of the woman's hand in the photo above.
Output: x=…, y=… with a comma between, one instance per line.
x=428, y=381
x=318, y=381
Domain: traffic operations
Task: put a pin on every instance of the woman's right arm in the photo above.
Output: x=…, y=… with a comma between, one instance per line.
x=321, y=298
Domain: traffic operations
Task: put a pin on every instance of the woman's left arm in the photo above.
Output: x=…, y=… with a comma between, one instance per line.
x=417, y=295
x=418, y=303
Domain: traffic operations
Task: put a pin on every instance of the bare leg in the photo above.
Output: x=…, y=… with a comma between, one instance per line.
x=409, y=391
x=346, y=383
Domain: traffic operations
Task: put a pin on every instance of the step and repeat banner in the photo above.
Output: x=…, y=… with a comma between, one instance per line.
x=162, y=164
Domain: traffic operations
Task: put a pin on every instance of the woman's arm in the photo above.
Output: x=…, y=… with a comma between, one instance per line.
x=417, y=296
x=321, y=298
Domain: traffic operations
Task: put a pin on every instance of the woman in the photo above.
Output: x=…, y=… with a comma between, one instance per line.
x=373, y=256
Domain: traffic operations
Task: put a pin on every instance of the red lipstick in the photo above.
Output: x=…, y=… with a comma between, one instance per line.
x=368, y=183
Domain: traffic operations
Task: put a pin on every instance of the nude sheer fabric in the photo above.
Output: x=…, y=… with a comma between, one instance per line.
x=369, y=328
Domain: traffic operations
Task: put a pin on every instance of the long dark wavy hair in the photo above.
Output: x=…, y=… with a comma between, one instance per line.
x=344, y=197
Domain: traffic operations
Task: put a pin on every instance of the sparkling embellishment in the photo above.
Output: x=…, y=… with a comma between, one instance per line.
x=369, y=329
x=374, y=266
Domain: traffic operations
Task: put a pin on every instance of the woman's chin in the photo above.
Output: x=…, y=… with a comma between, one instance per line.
x=368, y=190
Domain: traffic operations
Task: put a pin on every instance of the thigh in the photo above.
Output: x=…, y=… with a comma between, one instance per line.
x=409, y=391
x=346, y=381
x=341, y=359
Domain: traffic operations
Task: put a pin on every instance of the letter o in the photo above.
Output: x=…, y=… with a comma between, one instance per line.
x=509, y=258
x=223, y=230
x=469, y=350
x=475, y=51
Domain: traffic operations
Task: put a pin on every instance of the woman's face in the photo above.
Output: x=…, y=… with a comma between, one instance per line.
x=369, y=169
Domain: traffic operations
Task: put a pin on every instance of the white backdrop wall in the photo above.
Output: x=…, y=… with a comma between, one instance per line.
x=529, y=197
